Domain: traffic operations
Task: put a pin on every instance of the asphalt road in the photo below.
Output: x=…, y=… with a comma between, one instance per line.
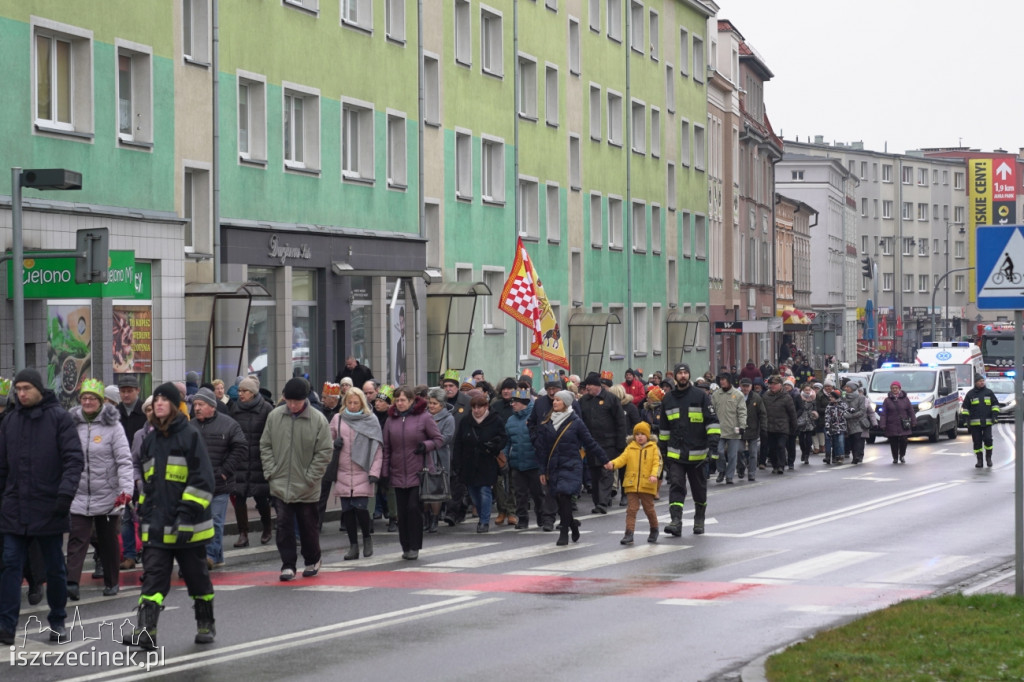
x=783, y=557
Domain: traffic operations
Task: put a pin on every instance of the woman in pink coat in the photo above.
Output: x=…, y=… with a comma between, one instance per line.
x=359, y=444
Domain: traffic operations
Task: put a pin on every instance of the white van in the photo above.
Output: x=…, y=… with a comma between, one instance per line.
x=963, y=356
x=932, y=392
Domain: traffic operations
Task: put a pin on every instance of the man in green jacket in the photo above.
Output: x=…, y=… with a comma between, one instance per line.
x=295, y=449
x=731, y=409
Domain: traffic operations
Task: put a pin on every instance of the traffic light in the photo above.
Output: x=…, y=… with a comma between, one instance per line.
x=867, y=267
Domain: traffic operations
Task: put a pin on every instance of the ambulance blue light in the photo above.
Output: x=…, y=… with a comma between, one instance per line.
x=1012, y=373
x=889, y=365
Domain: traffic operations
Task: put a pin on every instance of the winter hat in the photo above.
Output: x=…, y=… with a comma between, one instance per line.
x=775, y=379
x=207, y=396
x=148, y=402
x=897, y=385
x=592, y=379
x=507, y=382
x=249, y=384
x=297, y=388
x=745, y=382
x=977, y=378
x=128, y=381
x=5, y=390
x=655, y=395
x=642, y=427
x=346, y=380
x=168, y=391
x=29, y=376
x=192, y=378
x=836, y=393
x=566, y=397
x=112, y=393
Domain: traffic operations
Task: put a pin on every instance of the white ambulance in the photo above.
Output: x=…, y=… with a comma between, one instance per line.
x=965, y=357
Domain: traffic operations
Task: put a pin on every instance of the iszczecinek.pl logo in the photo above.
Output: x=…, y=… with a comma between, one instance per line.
x=74, y=650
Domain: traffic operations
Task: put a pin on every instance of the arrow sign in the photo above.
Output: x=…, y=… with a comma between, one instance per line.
x=1004, y=171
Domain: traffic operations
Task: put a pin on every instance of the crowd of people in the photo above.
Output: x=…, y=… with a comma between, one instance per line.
x=149, y=481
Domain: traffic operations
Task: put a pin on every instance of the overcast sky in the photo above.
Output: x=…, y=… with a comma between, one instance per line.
x=910, y=73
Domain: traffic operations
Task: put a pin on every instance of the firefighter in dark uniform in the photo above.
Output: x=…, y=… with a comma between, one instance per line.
x=980, y=409
x=175, y=518
x=688, y=429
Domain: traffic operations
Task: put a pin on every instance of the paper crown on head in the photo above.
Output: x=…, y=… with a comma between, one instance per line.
x=655, y=394
x=451, y=375
x=606, y=374
x=527, y=372
x=331, y=390
x=5, y=387
x=93, y=386
x=551, y=377
x=521, y=394
x=386, y=392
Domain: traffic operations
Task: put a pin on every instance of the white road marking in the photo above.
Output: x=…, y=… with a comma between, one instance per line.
x=618, y=556
x=505, y=556
x=331, y=588
x=924, y=572
x=448, y=593
x=686, y=602
x=810, y=568
x=390, y=557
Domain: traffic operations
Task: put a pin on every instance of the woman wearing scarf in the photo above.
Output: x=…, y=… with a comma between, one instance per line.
x=806, y=422
x=557, y=442
x=358, y=446
x=105, y=488
x=478, y=442
x=897, y=421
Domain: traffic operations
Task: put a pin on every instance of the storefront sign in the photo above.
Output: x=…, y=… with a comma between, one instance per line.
x=69, y=356
x=283, y=252
x=132, y=343
x=728, y=327
x=55, y=278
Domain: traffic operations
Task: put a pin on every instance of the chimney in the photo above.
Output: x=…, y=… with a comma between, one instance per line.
x=819, y=139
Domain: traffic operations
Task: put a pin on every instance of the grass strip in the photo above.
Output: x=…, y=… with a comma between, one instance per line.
x=952, y=638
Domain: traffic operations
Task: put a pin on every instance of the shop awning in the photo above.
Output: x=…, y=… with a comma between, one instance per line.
x=793, y=319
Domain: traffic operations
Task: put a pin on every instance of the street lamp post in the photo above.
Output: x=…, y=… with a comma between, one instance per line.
x=936, y=290
x=945, y=325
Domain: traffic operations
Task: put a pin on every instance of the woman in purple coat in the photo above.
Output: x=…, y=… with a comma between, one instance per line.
x=898, y=421
x=409, y=434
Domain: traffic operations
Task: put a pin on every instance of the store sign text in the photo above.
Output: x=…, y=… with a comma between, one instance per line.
x=284, y=251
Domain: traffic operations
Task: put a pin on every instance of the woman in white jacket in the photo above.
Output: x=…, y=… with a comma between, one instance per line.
x=104, y=489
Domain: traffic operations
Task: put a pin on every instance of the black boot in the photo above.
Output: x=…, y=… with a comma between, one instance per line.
x=563, y=537
x=988, y=457
x=367, y=545
x=575, y=529
x=97, y=573
x=653, y=535
x=675, y=527
x=432, y=528
x=205, y=630
x=353, y=552
x=426, y=519
x=627, y=538
x=980, y=463
x=698, y=518
x=144, y=633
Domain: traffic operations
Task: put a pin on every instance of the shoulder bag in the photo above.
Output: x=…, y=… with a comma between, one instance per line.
x=435, y=486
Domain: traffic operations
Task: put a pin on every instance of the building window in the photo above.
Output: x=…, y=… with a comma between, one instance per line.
x=958, y=214
x=670, y=190
x=687, y=231
x=195, y=209
x=495, y=280
x=595, y=112
x=958, y=249
x=958, y=283
x=640, y=346
x=922, y=283
x=874, y=209
x=358, y=14
x=684, y=142
x=655, y=37
x=673, y=282
x=864, y=208
x=886, y=172
x=614, y=222
x=797, y=175
x=394, y=20
x=574, y=47
x=615, y=20
x=922, y=211
x=638, y=127
x=614, y=118
x=431, y=90
x=63, y=78
x=864, y=244
x=302, y=128
x=945, y=177
x=670, y=88
x=492, y=169
x=463, y=37
x=553, y=214
x=907, y=210
x=551, y=95
x=594, y=15
x=886, y=244
x=617, y=332
x=639, y=226
x=701, y=237
x=935, y=246
x=656, y=229
x=887, y=279
x=958, y=180
x=636, y=27
x=357, y=140
x=397, y=152
x=907, y=176
x=699, y=150
x=463, y=165
x=527, y=87
x=655, y=132
x=945, y=212
x=576, y=276
x=657, y=327
x=684, y=51
x=596, y=223
x=908, y=283
x=432, y=219
x=863, y=170
x=698, y=59
x=908, y=244
x=529, y=208
x=922, y=176
x=134, y=93
x=252, y=117
x=308, y=5
x=195, y=31
x=575, y=163
x=491, y=54
x=887, y=209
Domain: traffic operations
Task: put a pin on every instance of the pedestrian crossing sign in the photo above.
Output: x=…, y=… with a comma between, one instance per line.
x=999, y=258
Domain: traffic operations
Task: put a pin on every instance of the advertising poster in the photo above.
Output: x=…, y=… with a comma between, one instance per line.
x=397, y=313
x=69, y=351
x=132, y=349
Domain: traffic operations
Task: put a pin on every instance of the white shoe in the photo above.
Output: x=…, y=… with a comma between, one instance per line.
x=287, y=574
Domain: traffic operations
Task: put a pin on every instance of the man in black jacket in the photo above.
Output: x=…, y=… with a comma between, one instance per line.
x=41, y=462
x=980, y=408
x=603, y=416
x=227, y=448
x=359, y=373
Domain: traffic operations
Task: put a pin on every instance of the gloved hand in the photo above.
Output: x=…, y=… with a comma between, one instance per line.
x=62, y=507
x=339, y=443
x=123, y=500
x=421, y=449
x=383, y=482
x=184, y=536
x=373, y=479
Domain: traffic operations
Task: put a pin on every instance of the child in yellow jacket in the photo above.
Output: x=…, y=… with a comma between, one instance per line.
x=643, y=465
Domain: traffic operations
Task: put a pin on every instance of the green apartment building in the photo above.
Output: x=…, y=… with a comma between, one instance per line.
x=303, y=180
